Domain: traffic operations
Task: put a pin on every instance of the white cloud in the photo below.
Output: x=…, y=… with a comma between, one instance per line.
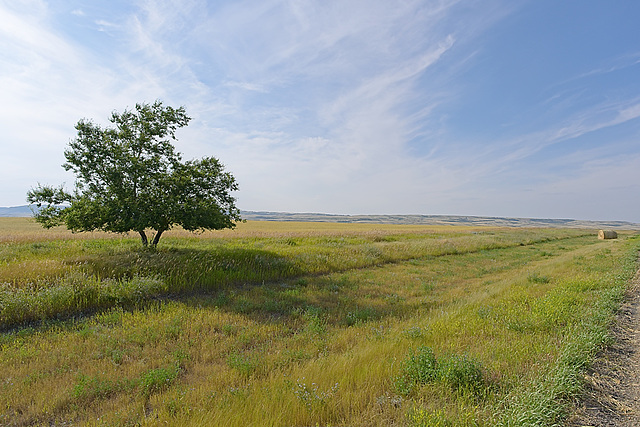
x=48, y=84
x=106, y=25
x=367, y=70
x=247, y=86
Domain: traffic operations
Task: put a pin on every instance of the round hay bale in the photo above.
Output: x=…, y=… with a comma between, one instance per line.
x=607, y=234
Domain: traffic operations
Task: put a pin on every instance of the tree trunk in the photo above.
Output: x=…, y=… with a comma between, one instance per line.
x=143, y=237
x=156, y=238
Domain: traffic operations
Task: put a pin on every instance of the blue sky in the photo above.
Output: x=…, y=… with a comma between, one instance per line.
x=488, y=108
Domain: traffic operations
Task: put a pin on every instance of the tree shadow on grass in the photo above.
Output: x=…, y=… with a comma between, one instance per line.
x=261, y=285
x=194, y=270
x=330, y=299
x=256, y=283
x=128, y=279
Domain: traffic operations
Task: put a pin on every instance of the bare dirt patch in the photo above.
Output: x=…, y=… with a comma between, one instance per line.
x=613, y=384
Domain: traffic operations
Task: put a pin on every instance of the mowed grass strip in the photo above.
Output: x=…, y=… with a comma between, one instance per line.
x=509, y=328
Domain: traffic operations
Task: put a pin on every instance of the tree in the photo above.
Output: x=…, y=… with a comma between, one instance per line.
x=130, y=178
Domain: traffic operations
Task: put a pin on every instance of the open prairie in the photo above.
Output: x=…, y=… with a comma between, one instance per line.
x=297, y=324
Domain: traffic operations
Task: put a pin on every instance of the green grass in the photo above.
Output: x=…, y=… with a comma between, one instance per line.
x=68, y=277
x=288, y=324
x=461, y=373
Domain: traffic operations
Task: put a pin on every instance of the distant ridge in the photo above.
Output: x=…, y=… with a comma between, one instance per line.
x=25, y=211
x=437, y=220
x=16, y=211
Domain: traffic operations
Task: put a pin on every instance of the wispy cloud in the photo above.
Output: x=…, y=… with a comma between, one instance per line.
x=613, y=65
x=589, y=120
x=106, y=25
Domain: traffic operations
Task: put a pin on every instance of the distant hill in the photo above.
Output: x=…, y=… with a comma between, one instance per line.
x=25, y=211
x=16, y=211
x=437, y=220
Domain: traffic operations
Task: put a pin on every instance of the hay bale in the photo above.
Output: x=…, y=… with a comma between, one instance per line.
x=607, y=234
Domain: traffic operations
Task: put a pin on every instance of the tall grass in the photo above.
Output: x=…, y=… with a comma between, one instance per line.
x=61, y=278
x=336, y=335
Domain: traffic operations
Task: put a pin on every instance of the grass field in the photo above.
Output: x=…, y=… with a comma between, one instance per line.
x=298, y=324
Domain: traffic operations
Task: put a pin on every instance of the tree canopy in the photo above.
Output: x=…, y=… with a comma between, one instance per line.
x=129, y=177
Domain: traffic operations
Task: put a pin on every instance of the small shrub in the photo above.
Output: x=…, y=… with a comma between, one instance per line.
x=242, y=363
x=312, y=396
x=461, y=373
x=417, y=369
x=158, y=379
x=421, y=367
x=360, y=315
x=536, y=278
x=414, y=332
x=316, y=324
x=90, y=388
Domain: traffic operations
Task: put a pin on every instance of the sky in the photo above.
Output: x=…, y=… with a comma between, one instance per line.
x=446, y=107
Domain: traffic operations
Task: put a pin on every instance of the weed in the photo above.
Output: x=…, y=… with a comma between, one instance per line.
x=243, y=363
x=420, y=417
x=421, y=367
x=415, y=332
x=315, y=322
x=387, y=400
x=155, y=380
x=230, y=330
x=360, y=315
x=417, y=369
x=90, y=388
x=461, y=373
x=537, y=278
x=428, y=286
x=311, y=396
